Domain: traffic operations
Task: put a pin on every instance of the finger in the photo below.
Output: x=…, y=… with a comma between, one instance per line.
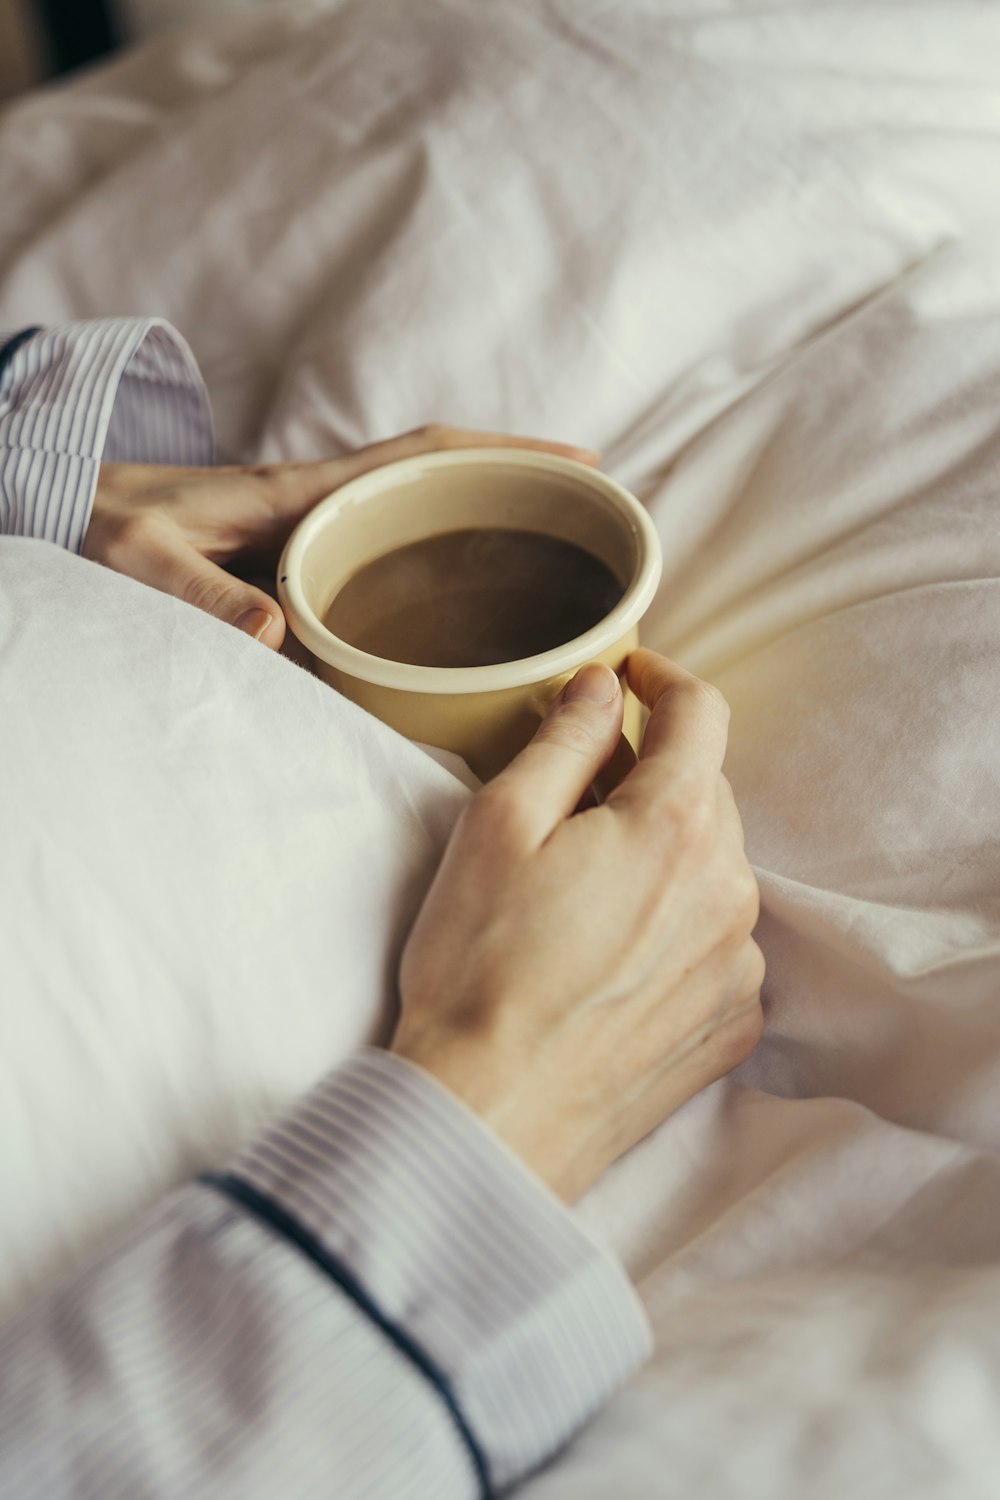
x=684, y=744
x=161, y=557
x=685, y=712
x=294, y=488
x=578, y=736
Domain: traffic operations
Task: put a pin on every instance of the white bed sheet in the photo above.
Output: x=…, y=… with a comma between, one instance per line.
x=756, y=256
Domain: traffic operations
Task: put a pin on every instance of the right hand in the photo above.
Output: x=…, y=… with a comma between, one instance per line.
x=574, y=979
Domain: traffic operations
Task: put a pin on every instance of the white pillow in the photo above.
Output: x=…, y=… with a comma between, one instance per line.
x=208, y=862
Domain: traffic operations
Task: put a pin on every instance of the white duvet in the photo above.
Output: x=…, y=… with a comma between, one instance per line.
x=754, y=254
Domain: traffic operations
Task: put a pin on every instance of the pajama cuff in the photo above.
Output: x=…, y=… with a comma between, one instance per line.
x=118, y=390
x=524, y=1324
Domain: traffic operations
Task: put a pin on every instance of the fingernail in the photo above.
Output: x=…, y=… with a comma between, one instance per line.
x=594, y=683
x=254, y=622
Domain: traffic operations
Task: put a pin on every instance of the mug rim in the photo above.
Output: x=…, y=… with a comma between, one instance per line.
x=498, y=676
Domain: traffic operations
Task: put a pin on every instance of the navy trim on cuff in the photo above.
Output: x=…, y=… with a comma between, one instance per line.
x=12, y=345
x=277, y=1218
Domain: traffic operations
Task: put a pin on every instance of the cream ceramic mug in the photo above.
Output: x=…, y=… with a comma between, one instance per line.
x=486, y=714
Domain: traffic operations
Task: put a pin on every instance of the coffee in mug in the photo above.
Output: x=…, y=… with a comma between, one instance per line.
x=473, y=597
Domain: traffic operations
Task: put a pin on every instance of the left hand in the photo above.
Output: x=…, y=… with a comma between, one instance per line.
x=177, y=528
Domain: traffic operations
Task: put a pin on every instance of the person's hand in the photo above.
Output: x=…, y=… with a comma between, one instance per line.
x=177, y=528
x=575, y=978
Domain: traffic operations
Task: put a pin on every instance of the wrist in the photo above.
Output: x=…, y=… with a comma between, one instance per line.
x=95, y=537
x=111, y=518
x=522, y=1104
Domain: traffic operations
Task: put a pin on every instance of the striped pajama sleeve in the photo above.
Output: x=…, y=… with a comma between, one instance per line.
x=373, y=1299
x=122, y=390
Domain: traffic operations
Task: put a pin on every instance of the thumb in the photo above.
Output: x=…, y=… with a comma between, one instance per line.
x=168, y=562
x=574, y=742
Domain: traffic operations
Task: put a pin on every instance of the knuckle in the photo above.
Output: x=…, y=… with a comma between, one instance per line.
x=727, y=803
x=757, y=969
x=705, y=698
x=206, y=593
x=741, y=1030
x=745, y=898
x=746, y=1030
x=712, y=700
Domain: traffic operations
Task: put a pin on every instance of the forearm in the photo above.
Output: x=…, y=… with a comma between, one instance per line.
x=116, y=389
x=374, y=1299
x=204, y=1359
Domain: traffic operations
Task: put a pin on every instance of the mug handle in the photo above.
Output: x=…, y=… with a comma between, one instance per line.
x=623, y=757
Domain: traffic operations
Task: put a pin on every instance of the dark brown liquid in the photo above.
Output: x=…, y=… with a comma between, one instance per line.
x=472, y=598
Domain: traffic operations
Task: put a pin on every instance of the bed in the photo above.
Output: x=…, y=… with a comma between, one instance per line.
x=753, y=254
